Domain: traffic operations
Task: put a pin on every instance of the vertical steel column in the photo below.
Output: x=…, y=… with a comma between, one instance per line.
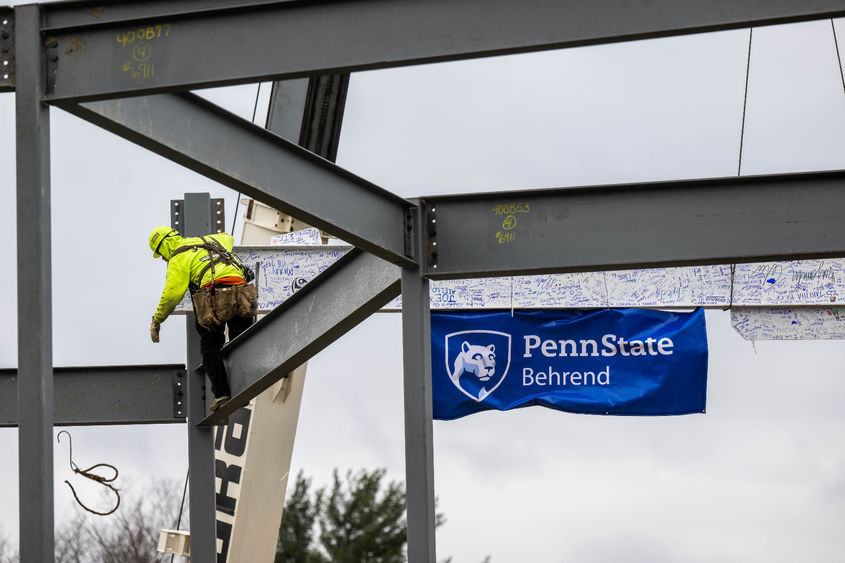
x=35, y=323
x=197, y=221
x=419, y=450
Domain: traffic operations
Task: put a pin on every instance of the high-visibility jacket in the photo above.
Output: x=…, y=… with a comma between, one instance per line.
x=185, y=268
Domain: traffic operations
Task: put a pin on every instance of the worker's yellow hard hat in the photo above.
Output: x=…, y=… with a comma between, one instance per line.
x=157, y=237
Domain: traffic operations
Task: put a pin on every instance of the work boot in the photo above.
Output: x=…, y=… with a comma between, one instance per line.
x=218, y=402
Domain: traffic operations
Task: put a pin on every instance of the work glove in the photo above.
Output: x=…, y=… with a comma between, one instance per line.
x=154, y=328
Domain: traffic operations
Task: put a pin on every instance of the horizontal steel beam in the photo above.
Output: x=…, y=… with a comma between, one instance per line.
x=295, y=39
x=207, y=139
x=331, y=305
x=7, y=49
x=65, y=16
x=105, y=395
x=715, y=221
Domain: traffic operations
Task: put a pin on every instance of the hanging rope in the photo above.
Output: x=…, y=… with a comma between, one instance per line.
x=254, y=111
x=838, y=58
x=104, y=481
x=181, y=506
x=744, y=103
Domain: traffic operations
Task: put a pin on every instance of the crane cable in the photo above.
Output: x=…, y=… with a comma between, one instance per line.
x=741, y=141
x=744, y=107
x=838, y=58
x=254, y=112
x=744, y=103
x=104, y=481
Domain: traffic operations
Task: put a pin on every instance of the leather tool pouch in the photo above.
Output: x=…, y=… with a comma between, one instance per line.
x=203, y=308
x=225, y=302
x=217, y=306
x=247, y=305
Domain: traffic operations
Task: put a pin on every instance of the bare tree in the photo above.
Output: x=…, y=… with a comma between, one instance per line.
x=8, y=553
x=130, y=535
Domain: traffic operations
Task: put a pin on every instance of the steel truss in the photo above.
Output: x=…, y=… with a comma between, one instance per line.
x=120, y=65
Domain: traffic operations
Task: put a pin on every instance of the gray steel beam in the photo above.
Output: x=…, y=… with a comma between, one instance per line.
x=35, y=307
x=197, y=222
x=88, y=14
x=332, y=304
x=419, y=441
x=715, y=221
x=310, y=112
x=188, y=130
x=106, y=395
x=323, y=114
x=205, y=49
x=286, y=110
x=7, y=49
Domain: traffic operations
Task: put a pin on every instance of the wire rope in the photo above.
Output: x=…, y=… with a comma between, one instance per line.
x=744, y=103
x=741, y=142
x=838, y=58
x=254, y=112
x=181, y=506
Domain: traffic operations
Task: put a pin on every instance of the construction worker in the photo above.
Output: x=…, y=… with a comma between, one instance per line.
x=221, y=295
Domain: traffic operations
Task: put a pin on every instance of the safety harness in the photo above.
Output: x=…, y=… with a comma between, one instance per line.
x=217, y=254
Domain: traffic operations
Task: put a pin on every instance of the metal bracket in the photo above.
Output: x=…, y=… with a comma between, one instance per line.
x=410, y=229
x=431, y=235
x=51, y=51
x=179, y=410
x=7, y=50
x=177, y=212
x=218, y=215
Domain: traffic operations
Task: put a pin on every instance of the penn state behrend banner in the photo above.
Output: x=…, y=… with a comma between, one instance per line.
x=602, y=361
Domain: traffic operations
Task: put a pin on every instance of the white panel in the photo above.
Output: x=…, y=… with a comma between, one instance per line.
x=806, y=282
x=784, y=323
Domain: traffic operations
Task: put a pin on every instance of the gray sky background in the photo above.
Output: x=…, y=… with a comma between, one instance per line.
x=761, y=476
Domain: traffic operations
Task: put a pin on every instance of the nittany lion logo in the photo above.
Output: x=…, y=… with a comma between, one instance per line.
x=477, y=361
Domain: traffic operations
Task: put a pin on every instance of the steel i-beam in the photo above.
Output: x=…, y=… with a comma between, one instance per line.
x=419, y=438
x=337, y=300
x=285, y=40
x=147, y=394
x=690, y=222
x=35, y=307
x=197, y=222
x=187, y=129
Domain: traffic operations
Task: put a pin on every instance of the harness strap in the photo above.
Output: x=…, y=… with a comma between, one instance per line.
x=213, y=248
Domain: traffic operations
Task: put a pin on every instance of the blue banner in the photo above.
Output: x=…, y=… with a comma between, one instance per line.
x=598, y=361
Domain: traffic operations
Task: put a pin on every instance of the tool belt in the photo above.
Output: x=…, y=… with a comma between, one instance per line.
x=215, y=305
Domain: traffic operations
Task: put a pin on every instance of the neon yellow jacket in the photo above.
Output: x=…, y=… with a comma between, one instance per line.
x=185, y=269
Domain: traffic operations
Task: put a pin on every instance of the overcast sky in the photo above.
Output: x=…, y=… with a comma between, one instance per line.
x=761, y=476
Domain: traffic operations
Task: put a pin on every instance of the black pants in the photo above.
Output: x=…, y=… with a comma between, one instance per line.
x=211, y=341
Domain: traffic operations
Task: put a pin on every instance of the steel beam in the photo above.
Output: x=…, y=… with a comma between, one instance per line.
x=106, y=395
x=7, y=49
x=716, y=221
x=66, y=16
x=332, y=304
x=214, y=48
x=323, y=114
x=35, y=307
x=286, y=110
x=419, y=440
x=187, y=129
x=197, y=222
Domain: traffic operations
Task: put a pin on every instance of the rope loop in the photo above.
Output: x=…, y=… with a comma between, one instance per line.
x=104, y=480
